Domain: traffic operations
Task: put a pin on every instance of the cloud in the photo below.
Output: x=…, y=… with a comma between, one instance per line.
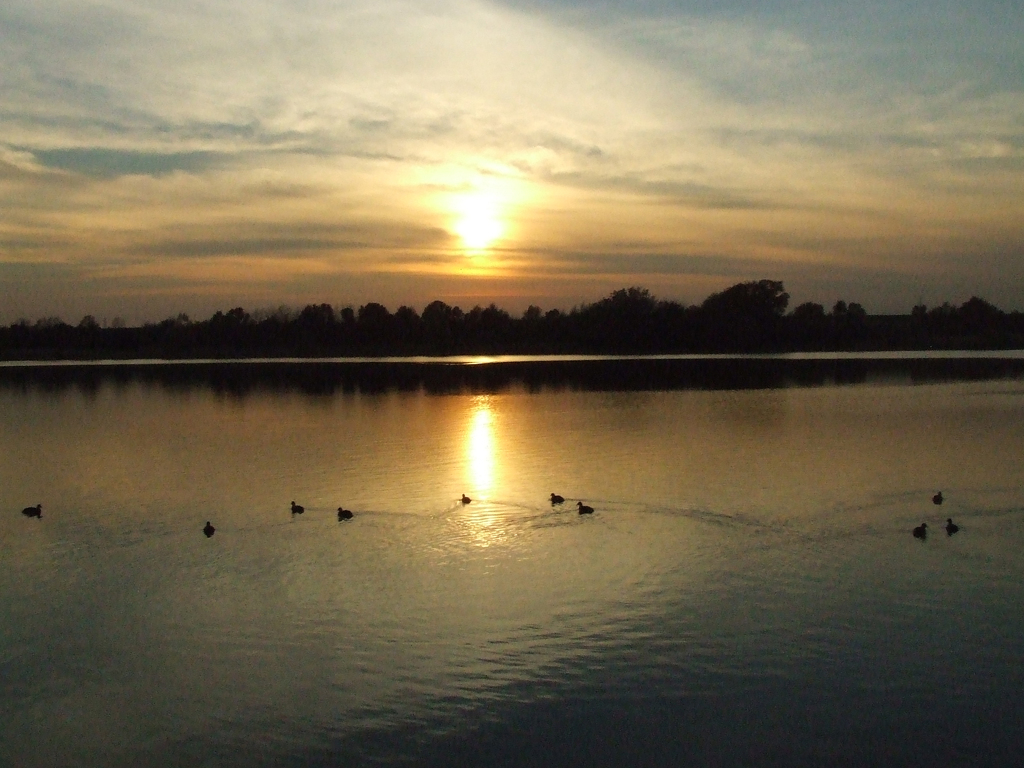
x=97, y=161
x=280, y=240
x=618, y=136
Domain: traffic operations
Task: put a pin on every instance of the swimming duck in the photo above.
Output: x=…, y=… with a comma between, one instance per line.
x=556, y=499
x=344, y=514
x=937, y=498
x=36, y=511
x=584, y=509
x=208, y=529
x=921, y=531
x=466, y=499
x=297, y=509
x=951, y=527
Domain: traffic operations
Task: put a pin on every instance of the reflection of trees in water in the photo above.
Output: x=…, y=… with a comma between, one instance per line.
x=439, y=377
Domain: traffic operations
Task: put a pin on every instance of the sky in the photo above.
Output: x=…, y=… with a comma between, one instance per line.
x=159, y=157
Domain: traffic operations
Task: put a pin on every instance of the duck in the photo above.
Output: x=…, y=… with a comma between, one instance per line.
x=344, y=514
x=584, y=509
x=466, y=499
x=208, y=529
x=951, y=527
x=556, y=499
x=297, y=509
x=921, y=531
x=937, y=498
x=36, y=511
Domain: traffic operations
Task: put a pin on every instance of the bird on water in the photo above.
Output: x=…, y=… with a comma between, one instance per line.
x=556, y=499
x=344, y=514
x=921, y=531
x=297, y=509
x=466, y=499
x=208, y=529
x=951, y=527
x=584, y=509
x=36, y=511
x=937, y=498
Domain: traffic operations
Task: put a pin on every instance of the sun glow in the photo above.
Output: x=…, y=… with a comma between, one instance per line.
x=478, y=222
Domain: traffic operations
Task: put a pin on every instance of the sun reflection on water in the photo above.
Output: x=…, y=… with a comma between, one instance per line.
x=483, y=517
x=480, y=446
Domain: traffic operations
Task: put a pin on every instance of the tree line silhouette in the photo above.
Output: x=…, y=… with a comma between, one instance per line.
x=749, y=317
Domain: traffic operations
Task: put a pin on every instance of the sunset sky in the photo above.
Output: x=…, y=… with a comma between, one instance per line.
x=159, y=157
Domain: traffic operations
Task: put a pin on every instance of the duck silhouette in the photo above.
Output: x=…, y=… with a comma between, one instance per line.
x=937, y=498
x=344, y=514
x=921, y=531
x=208, y=529
x=466, y=499
x=297, y=509
x=584, y=509
x=951, y=527
x=36, y=511
x=556, y=499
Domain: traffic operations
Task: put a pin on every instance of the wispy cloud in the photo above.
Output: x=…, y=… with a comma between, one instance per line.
x=311, y=132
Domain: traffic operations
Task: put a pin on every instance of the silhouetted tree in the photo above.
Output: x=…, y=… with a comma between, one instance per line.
x=979, y=317
x=849, y=329
x=317, y=316
x=808, y=327
x=809, y=313
x=316, y=328
x=408, y=328
x=441, y=326
x=487, y=330
x=745, y=317
x=375, y=327
x=943, y=321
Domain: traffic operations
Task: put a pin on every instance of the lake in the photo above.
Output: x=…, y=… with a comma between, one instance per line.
x=746, y=593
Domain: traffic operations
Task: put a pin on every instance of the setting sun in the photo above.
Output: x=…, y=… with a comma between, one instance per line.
x=478, y=223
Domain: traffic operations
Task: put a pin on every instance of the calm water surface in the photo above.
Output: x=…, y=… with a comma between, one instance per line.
x=746, y=593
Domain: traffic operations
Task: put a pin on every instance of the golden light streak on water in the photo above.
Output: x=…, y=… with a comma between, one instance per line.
x=480, y=447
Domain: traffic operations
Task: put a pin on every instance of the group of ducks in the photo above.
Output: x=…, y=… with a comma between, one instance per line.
x=583, y=508
x=343, y=514
x=555, y=499
x=297, y=509
x=921, y=531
